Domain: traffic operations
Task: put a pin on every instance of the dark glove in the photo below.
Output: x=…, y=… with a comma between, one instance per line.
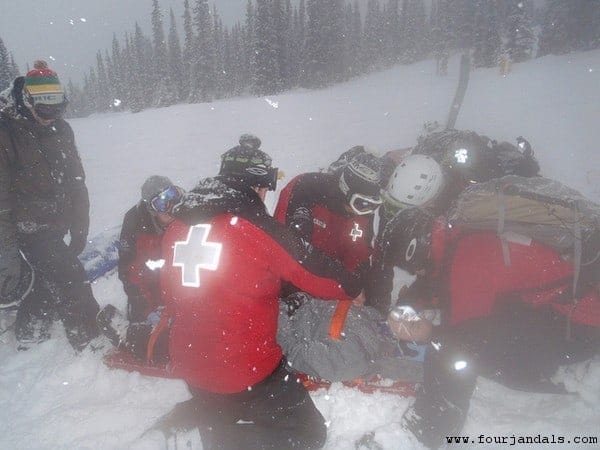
x=78, y=241
x=302, y=222
x=294, y=301
x=16, y=280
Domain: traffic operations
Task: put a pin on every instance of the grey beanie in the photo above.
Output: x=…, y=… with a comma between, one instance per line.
x=153, y=186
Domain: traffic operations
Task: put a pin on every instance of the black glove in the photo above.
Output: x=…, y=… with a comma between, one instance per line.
x=78, y=241
x=16, y=280
x=294, y=301
x=302, y=222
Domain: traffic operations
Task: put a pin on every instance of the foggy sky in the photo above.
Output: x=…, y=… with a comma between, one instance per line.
x=68, y=33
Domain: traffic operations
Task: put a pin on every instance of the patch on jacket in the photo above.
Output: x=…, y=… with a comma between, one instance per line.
x=319, y=223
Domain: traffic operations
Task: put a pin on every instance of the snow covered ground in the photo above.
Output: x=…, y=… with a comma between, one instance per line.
x=53, y=399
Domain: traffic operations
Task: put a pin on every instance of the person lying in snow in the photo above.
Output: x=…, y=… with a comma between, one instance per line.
x=366, y=348
x=514, y=323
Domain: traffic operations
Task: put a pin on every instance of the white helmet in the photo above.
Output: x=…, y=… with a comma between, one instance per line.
x=417, y=180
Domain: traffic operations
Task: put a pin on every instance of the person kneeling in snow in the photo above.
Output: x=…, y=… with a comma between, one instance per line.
x=225, y=261
x=140, y=259
x=514, y=323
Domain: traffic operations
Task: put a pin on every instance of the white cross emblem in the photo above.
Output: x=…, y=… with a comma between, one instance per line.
x=356, y=232
x=461, y=155
x=195, y=253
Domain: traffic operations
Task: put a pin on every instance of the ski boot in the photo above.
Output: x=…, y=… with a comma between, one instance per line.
x=113, y=324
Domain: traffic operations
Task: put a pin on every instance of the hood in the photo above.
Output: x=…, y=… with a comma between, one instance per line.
x=11, y=99
x=219, y=195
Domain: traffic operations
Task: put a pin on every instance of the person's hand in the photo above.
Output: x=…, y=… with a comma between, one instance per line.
x=360, y=299
x=294, y=301
x=407, y=325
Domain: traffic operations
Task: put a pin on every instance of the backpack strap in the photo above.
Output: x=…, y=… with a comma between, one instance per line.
x=501, y=223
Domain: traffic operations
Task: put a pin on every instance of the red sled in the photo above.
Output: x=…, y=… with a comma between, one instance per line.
x=402, y=388
x=124, y=360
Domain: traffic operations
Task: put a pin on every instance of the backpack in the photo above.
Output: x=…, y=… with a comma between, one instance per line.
x=476, y=157
x=540, y=209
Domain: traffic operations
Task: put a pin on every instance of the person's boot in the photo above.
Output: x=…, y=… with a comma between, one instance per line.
x=113, y=324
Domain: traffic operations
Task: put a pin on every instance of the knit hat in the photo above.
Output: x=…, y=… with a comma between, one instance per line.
x=362, y=175
x=248, y=164
x=43, y=86
x=153, y=186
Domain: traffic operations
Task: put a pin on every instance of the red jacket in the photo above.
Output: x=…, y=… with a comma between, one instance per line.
x=470, y=267
x=313, y=205
x=223, y=334
x=140, y=242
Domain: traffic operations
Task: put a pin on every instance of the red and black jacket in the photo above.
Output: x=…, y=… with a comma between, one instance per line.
x=224, y=321
x=313, y=205
x=469, y=277
x=140, y=242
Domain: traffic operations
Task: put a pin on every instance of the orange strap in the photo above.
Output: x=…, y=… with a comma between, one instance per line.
x=339, y=318
x=158, y=329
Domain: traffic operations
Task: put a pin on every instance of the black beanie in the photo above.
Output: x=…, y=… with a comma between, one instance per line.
x=362, y=175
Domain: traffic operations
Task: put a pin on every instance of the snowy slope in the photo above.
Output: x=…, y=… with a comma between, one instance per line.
x=51, y=399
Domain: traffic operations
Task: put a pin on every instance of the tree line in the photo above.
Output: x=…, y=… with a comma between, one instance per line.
x=282, y=44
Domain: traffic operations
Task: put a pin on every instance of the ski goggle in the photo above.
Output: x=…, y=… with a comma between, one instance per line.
x=50, y=112
x=167, y=200
x=362, y=204
x=264, y=177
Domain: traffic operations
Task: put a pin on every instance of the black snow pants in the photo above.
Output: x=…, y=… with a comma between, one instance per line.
x=61, y=291
x=276, y=413
x=518, y=346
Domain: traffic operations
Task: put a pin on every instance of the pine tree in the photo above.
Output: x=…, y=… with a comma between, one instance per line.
x=568, y=26
x=14, y=69
x=440, y=35
x=160, y=74
x=118, y=75
x=521, y=40
x=414, y=30
x=279, y=43
x=175, y=63
x=219, y=56
x=5, y=67
x=141, y=86
x=189, y=41
x=487, y=42
x=266, y=72
x=393, y=35
x=300, y=38
x=372, y=45
x=204, y=54
x=333, y=33
x=102, y=97
x=554, y=37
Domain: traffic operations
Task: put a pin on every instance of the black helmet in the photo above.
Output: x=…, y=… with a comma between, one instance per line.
x=360, y=182
x=248, y=164
x=338, y=165
x=462, y=152
x=406, y=240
